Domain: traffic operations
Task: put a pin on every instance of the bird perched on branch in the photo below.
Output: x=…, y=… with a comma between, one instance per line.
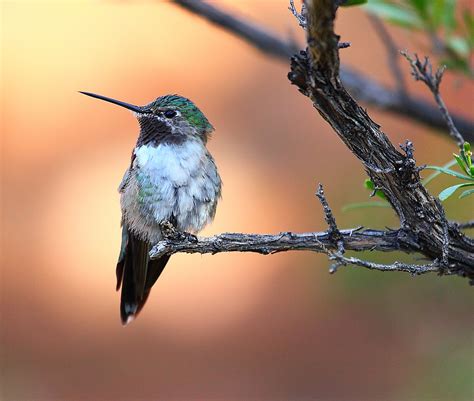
x=172, y=178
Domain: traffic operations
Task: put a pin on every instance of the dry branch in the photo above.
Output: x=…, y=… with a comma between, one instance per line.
x=354, y=239
x=316, y=73
x=465, y=225
x=321, y=242
x=423, y=71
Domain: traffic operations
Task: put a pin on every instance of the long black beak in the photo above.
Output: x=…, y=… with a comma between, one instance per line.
x=136, y=109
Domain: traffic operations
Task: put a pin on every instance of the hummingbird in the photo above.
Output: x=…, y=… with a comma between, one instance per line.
x=172, y=178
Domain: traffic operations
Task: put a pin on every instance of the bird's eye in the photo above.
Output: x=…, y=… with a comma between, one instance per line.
x=170, y=113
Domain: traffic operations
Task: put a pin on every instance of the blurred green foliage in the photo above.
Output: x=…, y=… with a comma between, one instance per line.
x=464, y=162
x=349, y=3
x=450, y=32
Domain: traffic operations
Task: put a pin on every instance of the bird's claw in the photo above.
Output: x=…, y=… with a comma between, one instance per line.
x=190, y=237
x=167, y=229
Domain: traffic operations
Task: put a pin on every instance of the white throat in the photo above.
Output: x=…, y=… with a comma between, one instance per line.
x=173, y=162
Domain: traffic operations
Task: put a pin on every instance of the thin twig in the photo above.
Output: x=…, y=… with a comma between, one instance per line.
x=265, y=40
x=465, y=225
x=361, y=86
x=423, y=71
x=333, y=231
x=396, y=266
x=300, y=17
x=302, y=22
x=340, y=260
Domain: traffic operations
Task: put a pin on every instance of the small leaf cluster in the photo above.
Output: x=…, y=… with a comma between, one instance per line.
x=369, y=184
x=464, y=161
x=452, y=37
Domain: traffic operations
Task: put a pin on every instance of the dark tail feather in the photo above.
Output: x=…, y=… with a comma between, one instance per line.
x=137, y=274
x=155, y=267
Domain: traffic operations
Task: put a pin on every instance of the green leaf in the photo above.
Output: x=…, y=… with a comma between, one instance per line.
x=447, y=192
x=469, y=26
x=448, y=15
x=395, y=14
x=450, y=172
x=460, y=162
x=362, y=205
x=437, y=12
x=466, y=154
x=466, y=147
x=432, y=176
x=467, y=192
x=458, y=45
x=421, y=7
x=349, y=3
x=468, y=19
x=371, y=186
x=457, y=64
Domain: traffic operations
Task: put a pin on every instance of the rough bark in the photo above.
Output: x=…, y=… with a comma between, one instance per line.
x=321, y=242
x=265, y=244
x=316, y=73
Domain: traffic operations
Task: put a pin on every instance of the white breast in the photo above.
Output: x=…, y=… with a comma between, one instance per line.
x=174, y=163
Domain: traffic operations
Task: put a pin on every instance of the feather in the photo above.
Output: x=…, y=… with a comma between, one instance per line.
x=136, y=274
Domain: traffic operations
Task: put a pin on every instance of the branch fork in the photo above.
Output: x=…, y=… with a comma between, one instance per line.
x=423, y=71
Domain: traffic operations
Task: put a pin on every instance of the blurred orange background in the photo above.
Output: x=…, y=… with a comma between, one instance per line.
x=223, y=327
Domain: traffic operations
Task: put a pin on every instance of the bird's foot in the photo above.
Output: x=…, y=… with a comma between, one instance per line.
x=190, y=237
x=169, y=231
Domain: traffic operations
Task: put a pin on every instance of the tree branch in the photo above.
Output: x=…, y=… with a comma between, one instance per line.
x=261, y=38
x=316, y=73
x=361, y=87
x=465, y=225
x=334, y=233
x=265, y=244
x=424, y=72
x=321, y=242
x=396, y=266
x=333, y=242
x=300, y=17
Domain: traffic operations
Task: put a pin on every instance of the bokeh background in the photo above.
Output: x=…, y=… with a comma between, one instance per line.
x=224, y=327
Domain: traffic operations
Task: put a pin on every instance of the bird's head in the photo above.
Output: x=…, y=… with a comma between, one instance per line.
x=168, y=119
